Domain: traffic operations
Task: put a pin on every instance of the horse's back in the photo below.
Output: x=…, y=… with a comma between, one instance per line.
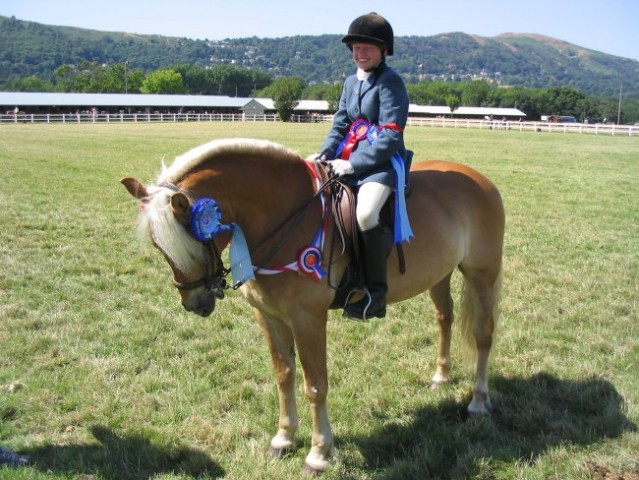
x=457, y=216
x=441, y=176
x=459, y=189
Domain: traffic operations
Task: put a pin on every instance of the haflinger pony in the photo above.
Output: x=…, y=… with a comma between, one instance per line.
x=263, y=200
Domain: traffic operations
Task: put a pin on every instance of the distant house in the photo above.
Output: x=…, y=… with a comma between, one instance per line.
x=261, y=106
x=258, y=106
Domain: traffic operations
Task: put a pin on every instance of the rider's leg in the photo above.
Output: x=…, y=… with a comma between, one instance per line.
x=370, y=200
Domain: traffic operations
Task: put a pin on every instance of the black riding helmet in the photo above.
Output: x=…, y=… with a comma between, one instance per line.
x=370, y=28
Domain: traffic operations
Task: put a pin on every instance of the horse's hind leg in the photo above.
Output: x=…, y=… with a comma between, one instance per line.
x=479, y=314
x=440, y=295
x=279, y=338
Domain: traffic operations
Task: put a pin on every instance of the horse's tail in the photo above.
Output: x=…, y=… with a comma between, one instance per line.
x=479, y=310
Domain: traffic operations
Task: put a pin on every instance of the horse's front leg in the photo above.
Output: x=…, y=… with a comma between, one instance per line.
x=310, y=337
x=279, y=338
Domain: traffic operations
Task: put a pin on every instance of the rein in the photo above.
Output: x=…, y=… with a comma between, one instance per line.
x=297, y=217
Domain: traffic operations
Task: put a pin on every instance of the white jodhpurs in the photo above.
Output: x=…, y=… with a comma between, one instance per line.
x=370, y=200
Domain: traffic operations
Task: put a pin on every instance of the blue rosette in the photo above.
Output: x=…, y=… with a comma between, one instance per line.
x=206, y=220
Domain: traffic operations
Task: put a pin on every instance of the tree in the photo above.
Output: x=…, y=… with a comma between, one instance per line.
x=92, y=77
x=235, y=81
x=430, y=93
x=286, y=93
x=333, y=96
x=30, y=84
x=564, y=101
x=324, y=91
x=475, y=93
x=163, y=81
x=452, y=101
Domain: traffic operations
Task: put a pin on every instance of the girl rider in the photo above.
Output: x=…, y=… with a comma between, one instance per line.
x=376, y=94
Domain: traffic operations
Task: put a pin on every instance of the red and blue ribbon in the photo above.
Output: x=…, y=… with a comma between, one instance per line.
x=362, y=129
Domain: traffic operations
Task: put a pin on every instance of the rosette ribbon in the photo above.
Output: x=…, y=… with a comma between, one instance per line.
x=206, y=223
x=362, y=129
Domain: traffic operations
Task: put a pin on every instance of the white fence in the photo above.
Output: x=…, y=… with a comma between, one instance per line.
x=134, y=117
x=581, y=128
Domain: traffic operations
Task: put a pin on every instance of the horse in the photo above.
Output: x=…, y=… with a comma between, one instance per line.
x=271, y=193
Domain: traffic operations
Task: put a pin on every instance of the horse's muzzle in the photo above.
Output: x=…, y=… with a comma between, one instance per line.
x=200, y=302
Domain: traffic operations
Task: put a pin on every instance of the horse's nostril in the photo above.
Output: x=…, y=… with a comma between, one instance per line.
x=204, y=312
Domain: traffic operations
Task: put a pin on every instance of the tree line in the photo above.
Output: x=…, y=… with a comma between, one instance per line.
x=287, y=91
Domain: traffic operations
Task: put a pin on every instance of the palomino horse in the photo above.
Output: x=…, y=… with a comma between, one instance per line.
x=269, y=192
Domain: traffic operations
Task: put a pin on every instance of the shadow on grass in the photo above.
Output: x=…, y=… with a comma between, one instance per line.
x=115, y=457
x=531, y=415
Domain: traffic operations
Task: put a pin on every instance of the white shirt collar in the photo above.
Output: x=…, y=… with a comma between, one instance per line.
x=363, y=75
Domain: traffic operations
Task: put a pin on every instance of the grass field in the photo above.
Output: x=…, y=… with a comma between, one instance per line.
x=104, y=376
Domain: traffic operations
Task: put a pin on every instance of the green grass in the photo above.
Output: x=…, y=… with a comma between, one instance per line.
x=104, y=376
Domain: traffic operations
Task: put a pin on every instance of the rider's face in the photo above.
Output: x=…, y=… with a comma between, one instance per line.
x=367, y=56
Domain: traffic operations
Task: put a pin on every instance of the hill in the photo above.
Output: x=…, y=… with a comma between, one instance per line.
x=28, y=48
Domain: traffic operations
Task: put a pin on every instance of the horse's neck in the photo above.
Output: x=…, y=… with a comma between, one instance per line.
x=259, y=194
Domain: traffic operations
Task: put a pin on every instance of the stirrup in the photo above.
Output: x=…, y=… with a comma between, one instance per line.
x=368, y=298
x=366, y=294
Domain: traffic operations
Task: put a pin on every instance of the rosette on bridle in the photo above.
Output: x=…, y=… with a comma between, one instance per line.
x=206, y=223
x=206, y=220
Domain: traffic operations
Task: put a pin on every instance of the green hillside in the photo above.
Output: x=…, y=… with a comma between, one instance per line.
x=28, y=48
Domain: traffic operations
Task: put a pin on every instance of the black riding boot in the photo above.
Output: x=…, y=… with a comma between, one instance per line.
x=373, y=304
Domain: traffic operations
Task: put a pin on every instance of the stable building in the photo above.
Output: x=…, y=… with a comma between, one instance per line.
x=51, y=102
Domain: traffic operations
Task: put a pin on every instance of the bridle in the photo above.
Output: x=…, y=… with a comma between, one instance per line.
x=214, y=281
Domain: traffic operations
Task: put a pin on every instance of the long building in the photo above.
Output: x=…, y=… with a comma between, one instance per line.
x=50, y=102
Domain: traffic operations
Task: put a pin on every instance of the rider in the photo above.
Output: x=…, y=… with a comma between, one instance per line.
x=377, y=94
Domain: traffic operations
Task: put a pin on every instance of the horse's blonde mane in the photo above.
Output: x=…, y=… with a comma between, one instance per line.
x=190, y=160
x=158, y=221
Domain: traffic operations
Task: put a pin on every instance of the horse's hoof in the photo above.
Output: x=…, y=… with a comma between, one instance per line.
x=315, y=470
x=311, y=471
x=435, y=385
x=280, y=452
x=437, y=381
x=480, y=408
x=316, y=464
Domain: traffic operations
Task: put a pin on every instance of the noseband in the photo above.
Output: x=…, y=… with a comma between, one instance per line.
x=215, y=279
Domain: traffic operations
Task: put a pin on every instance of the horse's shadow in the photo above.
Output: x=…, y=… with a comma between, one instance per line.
x=116, y=457
x=531, y=415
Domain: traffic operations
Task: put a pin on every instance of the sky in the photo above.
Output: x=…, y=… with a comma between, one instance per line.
x=608, y=26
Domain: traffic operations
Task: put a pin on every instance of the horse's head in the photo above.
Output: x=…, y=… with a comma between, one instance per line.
x=198, y=272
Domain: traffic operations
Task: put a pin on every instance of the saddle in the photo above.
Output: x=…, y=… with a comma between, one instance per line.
x=343, y=201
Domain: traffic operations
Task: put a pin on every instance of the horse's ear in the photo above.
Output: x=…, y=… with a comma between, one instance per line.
x=135, y=188
x=181, y=208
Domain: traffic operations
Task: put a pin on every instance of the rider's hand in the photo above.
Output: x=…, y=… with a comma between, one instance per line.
x=317, y=157
x=340, y=167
